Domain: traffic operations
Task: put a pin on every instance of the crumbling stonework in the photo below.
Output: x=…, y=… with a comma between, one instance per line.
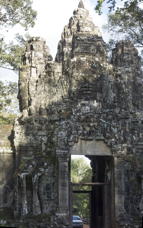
x=78, y=104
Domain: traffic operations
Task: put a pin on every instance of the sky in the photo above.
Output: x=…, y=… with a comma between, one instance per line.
x=8, y=75
x=52, y=16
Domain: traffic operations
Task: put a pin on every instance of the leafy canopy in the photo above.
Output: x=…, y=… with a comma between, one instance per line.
x=112, y=4
x=128, y=21
x=11, y=53
x=80, y=170
x=14, y=12
x=8, y=91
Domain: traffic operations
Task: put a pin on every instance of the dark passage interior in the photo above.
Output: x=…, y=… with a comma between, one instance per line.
x=98, y=192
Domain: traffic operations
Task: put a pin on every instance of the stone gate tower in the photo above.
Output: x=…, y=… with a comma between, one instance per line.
x=81, y=103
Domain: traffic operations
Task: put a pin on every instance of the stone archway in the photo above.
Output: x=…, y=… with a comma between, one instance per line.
x=102, y=184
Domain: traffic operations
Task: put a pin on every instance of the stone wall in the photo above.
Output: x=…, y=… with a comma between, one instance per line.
x=6, y=173
x=79, y=97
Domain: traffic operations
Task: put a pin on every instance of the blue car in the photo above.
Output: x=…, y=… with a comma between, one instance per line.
x=77, y=222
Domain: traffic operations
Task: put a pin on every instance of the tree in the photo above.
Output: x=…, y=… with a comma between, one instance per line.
x=128, y=21
x=7, y=91
x=112, y=4
x=8, y=102
x=11, y=53
x=80, y=172
x=14, y=12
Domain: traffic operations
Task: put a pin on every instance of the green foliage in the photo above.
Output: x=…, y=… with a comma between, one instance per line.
x=80, y=170
x=129, y=22
x=99, y=5
x=81, y=205
x=8, y=92
x=8, y=102
x=11, y=53
x=80, y=173
x=112, y=4
x=14, y=12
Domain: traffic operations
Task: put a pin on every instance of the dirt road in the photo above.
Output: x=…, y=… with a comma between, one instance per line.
x=85, y=226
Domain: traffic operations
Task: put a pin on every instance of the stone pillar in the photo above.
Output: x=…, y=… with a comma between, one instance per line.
x=36, y=203
x=141, y=201
x=119, y=190
x=17, y=211
x=108, y=195
x=24, y=196
x=93, y=198
x=63, y=171
x=1, y=197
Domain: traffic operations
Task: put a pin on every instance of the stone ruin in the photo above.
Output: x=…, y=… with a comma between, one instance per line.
x=83, y=104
